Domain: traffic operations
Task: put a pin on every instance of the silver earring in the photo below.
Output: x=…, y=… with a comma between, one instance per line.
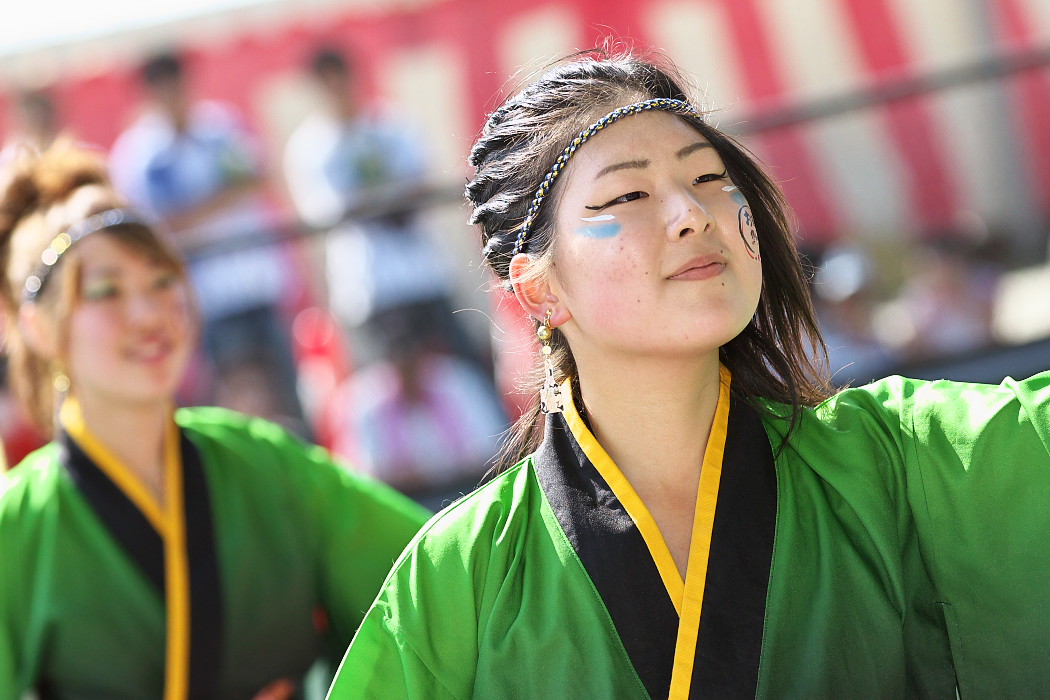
x=550, y=395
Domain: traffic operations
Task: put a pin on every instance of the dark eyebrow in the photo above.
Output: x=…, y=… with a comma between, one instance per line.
x=641, y=164
x=622, y=166
x=692, y=148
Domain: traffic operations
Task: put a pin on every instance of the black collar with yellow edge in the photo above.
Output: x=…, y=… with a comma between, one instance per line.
x=172, y=543
x=700, y=637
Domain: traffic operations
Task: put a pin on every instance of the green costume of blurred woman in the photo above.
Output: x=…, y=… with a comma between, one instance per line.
x=149, y=552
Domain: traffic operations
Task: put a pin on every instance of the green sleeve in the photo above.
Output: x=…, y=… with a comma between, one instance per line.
x=420, y=640
x=10, y=643
x=21, y=554
x=360, y=527
x=350, y=527
x=979, y=486
x=367, y=528
x=381, y=661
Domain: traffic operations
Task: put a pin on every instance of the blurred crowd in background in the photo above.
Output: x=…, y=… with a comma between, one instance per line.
x=335, y=297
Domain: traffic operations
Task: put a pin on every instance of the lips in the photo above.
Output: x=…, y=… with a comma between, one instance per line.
x=700, y=268
x=151, y=349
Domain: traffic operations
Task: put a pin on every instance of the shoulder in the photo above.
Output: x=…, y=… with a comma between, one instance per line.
x=851, y=414
x=238, y=449
x=943, y=410
x=489, y=522
x=30, y=486
x=884, y=405
x=897, y=420
x=238, y=437
x=217, y=422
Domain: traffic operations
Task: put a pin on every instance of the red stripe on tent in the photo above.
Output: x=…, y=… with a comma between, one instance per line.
x=931, y=190
x=1031, y=93
x=789, y=153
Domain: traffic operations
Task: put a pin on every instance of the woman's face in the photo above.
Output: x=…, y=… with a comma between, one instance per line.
x=130, y=330
x=655, y=252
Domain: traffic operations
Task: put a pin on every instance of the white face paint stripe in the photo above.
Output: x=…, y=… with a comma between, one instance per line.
x=600, y=217
x=729, y=188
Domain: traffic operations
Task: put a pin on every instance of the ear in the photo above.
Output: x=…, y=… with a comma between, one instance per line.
x=39, y=331
x=535, y=293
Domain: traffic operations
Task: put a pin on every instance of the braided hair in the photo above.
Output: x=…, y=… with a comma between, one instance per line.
x=779, y=356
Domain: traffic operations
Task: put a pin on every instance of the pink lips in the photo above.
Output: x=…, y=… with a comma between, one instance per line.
x=151, y=350
x=701, y=268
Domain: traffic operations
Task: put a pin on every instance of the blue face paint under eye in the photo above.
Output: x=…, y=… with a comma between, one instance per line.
x=738, y=197
x=606, y=230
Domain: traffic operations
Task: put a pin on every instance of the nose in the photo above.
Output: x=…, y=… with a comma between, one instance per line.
x=688, y=215
x=144, y=308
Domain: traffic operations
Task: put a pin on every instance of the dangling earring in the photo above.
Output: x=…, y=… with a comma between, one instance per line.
x=550, y=394
x=59, y=378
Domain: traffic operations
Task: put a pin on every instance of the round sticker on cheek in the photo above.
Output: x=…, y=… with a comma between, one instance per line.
x=748, y=232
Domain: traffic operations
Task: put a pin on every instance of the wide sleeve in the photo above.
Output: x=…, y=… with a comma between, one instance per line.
x=11, y=644
x=350, y=528
x=420, y=639
x=368, y=525
x=978, y=462
x=444, y=611
x=22, y=555
x=359, y=525
x=412, y=645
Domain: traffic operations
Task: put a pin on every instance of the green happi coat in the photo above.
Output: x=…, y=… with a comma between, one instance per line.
x=897, y=546
x=265, y=560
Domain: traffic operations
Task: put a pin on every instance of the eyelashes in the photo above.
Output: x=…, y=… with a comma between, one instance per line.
x=632, y=196
x=711, y=177
x=629, y=197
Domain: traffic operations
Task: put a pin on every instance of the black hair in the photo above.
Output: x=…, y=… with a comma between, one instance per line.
x=327, y=60
x=780, y=354
x=161, y=68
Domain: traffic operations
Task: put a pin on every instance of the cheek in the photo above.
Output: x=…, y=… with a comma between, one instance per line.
x=179, y=308
x=607, y=283
x=91, y=338
x=92, y=326
x=601, y=264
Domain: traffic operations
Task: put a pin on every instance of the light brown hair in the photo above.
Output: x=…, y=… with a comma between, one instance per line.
x=34, y=191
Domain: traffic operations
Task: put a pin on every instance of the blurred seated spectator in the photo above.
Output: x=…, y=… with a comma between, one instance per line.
x=844, y=302
x=945, y=306
x=425, y=422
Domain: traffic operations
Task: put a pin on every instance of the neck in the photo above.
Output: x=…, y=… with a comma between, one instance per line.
x=134, y=433
x=641, y=408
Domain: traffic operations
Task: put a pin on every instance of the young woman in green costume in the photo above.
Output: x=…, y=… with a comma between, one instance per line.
x=150, y=552
x=700, y=515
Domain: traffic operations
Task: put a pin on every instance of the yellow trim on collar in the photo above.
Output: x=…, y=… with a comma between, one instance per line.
x=688, y=595
x=169, y=522
x=630, y=499
x=700, y=545
x=177, y=574
x=126, y=480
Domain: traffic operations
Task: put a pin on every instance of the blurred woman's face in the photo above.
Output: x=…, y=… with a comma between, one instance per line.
x=655, y=250
x=130, y=332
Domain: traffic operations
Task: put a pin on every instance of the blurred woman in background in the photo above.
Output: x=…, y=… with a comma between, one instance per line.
x=148, y=551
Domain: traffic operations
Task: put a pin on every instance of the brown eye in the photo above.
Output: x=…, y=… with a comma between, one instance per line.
x=100, y=291
x=629, y=197
x=711, y=177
